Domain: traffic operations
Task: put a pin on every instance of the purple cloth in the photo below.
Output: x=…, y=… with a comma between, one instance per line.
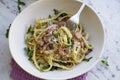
x=18, y=73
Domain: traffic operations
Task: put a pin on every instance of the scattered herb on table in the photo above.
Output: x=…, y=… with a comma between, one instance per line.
x=7, y=31
x=87, y=59
x=105, y=62
x=20, y=3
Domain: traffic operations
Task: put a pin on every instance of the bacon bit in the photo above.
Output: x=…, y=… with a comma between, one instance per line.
x=79, y=37
x=44, y=47
x=61, y=23
x=65, y=19
x=61, y=50
x=81, y=43
x=45, y=38
x=40, y=41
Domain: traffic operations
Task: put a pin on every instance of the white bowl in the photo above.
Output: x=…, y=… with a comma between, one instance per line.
x=42, y=8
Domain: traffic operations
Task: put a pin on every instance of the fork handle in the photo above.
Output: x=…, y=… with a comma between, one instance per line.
x=75, y=18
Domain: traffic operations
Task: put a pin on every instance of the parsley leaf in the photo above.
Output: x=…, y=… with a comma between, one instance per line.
x=56, y=11
x=44, y=68
x=53, y=68
x=30, y=30
x=28, y=53
x=49, y=16
x=27, y=39
x=20, y=3
x=7, y=31
x=87, y=59
x=105, y=62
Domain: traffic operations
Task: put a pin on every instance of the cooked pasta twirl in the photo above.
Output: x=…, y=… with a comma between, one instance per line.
x=52, y=44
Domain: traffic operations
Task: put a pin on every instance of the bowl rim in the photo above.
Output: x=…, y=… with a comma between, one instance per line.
x=94, y=63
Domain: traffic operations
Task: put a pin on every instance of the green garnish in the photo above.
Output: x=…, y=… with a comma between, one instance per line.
x=56, y=11
x=44, y=23
x=7, y=31
x=67, y=45
x=30, y=30
x=64, y=14
x=39, y=63
x=105, y=62
x=44, y=67
x=49, y=16
x=20, y=3
x=61, y=63
x=27, y=39
x=87, y=59
x=28, y=53
x=53, y=68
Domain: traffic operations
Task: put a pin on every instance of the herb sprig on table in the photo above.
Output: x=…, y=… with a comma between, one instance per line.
x=105, y=62
x=7, y=31
x=20, y=3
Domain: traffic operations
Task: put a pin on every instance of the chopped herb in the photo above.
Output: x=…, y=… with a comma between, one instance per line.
x=69, y=41
x=30, y=58
x=61, y=63
x=67, y=45
x=28, y=53
x=27, y=39
x=53, y=68
x=56, y=19
x=27, y=50
x=7, y=31
x=105, y=62
x=87, y=59
x=30, y=30
x=44, y=23
x=64, y=14
x=44, y=67
x=56, y=11
x=20, y=3
x=39, y=63
x=49, y=16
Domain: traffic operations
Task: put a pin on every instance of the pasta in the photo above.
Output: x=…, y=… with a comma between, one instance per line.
x=51, y=44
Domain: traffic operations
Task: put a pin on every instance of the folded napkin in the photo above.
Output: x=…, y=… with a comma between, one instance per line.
x=18, y=73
